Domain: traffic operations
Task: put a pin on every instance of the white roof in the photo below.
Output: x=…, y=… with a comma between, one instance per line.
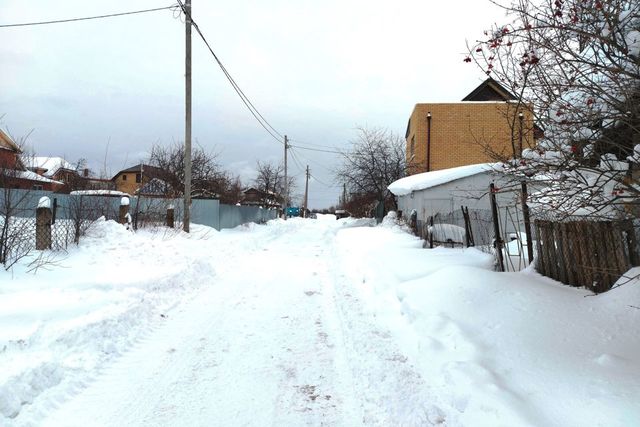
x=426, y=180
x=51, y=164
x=32, y=176
x=99, y=193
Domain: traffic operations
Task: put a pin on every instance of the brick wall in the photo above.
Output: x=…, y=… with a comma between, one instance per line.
x=464, y=133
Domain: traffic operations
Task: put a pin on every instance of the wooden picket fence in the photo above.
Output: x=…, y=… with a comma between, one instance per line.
x=591, y=254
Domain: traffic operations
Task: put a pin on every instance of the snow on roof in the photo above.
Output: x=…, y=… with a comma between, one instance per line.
x=51, y=164
x=99, y=193
x=426, y=180
x=7, y=143
x=32, y=176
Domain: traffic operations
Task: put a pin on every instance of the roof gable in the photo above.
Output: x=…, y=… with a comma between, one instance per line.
x=50, y=165
x=148, y=170
x=7, y=143
x=490, y=90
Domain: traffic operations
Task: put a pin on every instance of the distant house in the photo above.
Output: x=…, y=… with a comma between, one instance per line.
x=155, y=187
x=446, y=135
x=13, y=174
x=9, y=152
x=267, y=199
x=56, y=168
x=130, y=180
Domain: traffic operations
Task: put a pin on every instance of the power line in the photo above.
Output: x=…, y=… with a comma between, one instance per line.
x=111, y=15
x=315, y=149
x=323, y=183
x=315, y=162
x=247, y=102
x=296, y=161
x=313, y=145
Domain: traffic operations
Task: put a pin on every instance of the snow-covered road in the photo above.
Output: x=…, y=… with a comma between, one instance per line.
x=308, y=322
x=277, y=337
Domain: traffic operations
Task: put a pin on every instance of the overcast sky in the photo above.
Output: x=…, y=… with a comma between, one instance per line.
x=107, y=90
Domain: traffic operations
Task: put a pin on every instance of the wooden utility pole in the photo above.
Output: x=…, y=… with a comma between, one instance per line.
x=187, y=127
x=286, y=180
x=306, y=194
x=344, y=196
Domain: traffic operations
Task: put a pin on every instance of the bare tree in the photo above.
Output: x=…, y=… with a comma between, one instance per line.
x=270, y=181
x=376, y=159
x=576, y=65
x=17, y=225
x=232, y=192
x=207, y=178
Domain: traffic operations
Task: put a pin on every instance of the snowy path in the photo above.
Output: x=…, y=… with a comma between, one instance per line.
x=278, y=337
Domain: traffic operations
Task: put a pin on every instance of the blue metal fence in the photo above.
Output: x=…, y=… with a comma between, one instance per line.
x=207, y=212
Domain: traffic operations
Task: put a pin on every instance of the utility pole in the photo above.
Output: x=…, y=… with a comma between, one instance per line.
x=286, y=180
x=187, y=127
x=344, y=196
x=306, y=194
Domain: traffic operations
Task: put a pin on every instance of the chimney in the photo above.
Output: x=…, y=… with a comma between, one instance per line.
x=85, y=172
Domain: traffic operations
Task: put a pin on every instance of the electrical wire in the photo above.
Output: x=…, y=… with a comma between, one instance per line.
x=315, y=149
x=243, y=97
x=323, y=183
x=313, y=145
x=111, y=15
x=310, y=160
x=297, y=161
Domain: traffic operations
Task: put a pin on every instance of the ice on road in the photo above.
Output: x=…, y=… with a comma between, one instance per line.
x=278, y=336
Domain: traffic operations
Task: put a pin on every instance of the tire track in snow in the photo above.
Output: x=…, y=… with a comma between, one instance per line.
x=263, y=348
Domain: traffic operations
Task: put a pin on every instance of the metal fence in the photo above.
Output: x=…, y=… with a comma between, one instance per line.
x=593, y=254
x=71, y=215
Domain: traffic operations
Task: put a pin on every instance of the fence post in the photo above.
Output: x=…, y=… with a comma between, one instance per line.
x=430, y=232
x=55, y=210
x=496, y=224
x=468, y=233
x=170, y=216
x=527, y=222
x=413, y=221
x=43, y=224
x=124, y=211
x=630, y=235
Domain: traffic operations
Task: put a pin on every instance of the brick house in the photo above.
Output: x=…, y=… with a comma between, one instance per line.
x=253, y=197
x=446, y=135
x=130, y=180
x=13, y=174
x=9, y=152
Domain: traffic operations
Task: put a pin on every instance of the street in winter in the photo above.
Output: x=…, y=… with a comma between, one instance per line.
x=308, y=322
x=295, y=213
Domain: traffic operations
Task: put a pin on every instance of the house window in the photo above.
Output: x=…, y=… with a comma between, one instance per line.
x=124, y=177
x=36, y=187
x=138, y=178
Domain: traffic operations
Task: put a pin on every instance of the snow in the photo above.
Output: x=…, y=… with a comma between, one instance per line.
x=307, y=322
x=610, y=162
x=50, y=164
x=44, y=202
x=32, y=176
x=124, y=201
x=426, y=180
x=447, y=232
x=99, y=193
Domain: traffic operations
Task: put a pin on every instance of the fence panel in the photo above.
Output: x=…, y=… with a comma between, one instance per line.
x=593, y=254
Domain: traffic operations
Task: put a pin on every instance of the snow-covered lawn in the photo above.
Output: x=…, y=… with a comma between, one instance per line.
x=307, y=322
